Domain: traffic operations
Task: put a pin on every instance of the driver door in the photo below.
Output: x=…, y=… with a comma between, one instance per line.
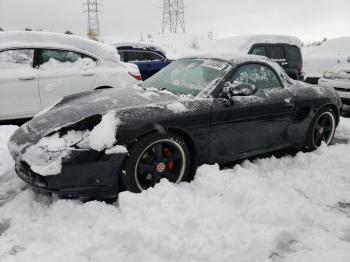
x=19, y=94
x=250, y=125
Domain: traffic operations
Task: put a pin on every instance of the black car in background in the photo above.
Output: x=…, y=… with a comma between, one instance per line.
x=287, y=55
x=204, y=109
x=149, y=59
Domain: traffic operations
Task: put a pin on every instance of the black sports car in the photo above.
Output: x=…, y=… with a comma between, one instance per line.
x=198, y=110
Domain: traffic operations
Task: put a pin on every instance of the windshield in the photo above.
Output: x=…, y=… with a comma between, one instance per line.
x=189, y=76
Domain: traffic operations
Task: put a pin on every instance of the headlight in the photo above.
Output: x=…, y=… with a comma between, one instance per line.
x=77, y=135
x=329, y=75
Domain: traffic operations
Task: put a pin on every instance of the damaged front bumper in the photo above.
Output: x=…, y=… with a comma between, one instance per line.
x=85, y=173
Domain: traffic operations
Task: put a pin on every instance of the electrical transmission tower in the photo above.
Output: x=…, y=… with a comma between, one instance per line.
x=93, y=29
x=173, y=16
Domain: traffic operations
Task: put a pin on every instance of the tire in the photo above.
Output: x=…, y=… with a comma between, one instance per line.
x=321, y=130
x=154, y=157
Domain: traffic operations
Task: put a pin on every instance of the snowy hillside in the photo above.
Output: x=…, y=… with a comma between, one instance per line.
x=289, y=209
x=321, y=58
x=175, y=45
x=317, y=59
x=178, y=45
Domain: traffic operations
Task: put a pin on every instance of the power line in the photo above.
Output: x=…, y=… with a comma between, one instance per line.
x=173, y=16
x=93, y=24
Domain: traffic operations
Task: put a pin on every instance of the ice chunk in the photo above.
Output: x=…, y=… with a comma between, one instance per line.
x=104, y=134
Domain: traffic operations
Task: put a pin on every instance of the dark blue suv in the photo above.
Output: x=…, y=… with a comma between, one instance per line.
x=149, y=59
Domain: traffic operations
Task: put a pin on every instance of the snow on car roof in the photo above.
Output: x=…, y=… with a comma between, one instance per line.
x=243, y=43
x=15, y=39
x=232, y=57
x=139, y=45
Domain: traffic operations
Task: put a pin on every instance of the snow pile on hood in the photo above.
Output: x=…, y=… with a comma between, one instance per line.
x=104, y=134
x=177, y=107
x=333, y=52
x=45, y=39
x=46, y=156
x=292, y=209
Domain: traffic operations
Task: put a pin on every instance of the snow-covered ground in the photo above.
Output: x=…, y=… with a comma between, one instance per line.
x=287, y=209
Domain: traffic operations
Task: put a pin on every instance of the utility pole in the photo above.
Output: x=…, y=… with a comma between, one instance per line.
x=93, y=26
x=173, y=16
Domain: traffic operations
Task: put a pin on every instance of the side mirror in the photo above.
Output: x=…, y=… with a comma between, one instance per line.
x=348, y=59
x=239, y=89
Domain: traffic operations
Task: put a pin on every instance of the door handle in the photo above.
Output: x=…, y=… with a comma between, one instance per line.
x=27, y=78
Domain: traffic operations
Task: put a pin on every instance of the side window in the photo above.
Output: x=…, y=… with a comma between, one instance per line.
x=122, y=56
x=259, y=75
x=259, y=50
x=276, y=53
x=155, y=57
x=292, y=53
x=62, y=58
x=137, y=56
x=16, y=58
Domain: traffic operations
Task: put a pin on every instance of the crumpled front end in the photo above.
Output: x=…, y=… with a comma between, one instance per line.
x=79, y=160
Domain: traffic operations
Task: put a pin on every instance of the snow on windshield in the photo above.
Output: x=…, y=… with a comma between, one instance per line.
x=189, y=76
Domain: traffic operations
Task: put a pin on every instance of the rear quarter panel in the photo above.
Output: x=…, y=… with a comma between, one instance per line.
x=309, y=99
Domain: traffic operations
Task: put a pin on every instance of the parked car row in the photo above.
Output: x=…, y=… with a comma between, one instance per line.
x=149, y=59
x=203, y=109
x=124, y=135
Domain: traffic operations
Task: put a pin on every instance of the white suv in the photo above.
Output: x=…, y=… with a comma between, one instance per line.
x=37, y=69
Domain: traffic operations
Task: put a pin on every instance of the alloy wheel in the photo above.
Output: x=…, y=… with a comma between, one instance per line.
x=324, y=129
x=162, y=159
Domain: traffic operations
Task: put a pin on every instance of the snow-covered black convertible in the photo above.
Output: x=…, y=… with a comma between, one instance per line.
x=207, y=109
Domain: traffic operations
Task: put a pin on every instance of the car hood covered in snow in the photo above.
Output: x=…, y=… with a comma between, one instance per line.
x=133, y=106
x=74, y=108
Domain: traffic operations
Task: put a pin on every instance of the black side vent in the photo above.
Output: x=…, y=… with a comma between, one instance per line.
x=302, y=113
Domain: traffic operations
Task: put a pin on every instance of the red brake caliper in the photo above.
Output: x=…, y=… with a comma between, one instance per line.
x=168, y=153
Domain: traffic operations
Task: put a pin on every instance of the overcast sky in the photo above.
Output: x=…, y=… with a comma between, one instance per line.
x=308, y=19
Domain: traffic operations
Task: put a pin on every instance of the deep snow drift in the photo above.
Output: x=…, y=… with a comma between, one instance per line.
x=288, y=209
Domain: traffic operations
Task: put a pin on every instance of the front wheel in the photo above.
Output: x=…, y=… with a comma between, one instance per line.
x=153, y=158
x=321, y=130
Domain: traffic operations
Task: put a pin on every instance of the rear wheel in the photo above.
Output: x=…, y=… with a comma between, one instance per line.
x=155, y=157
x=321, y=130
